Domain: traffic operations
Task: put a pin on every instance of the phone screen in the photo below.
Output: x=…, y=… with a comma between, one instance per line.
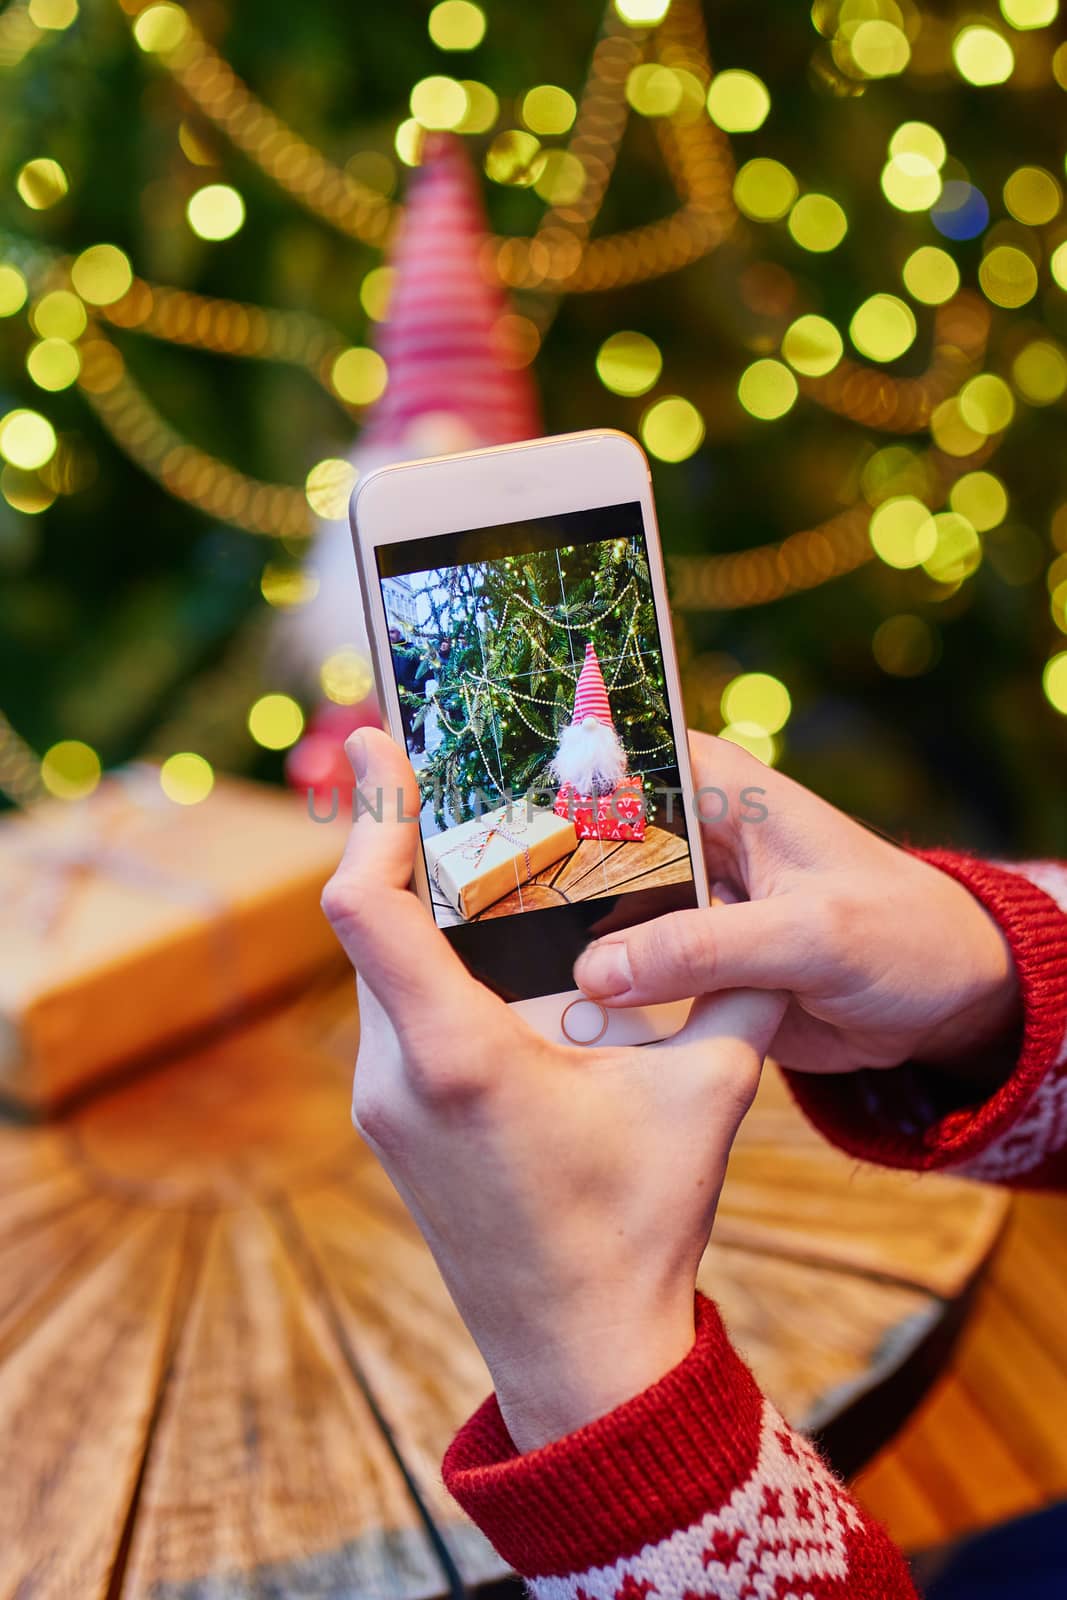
x=529, y=670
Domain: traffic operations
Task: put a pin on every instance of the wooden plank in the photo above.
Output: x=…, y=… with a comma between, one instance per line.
x=814, y=1337
x=269, y=1473
x=75, y=1401
x=419, y=1360
x=788, y=1191
x=39, y=1263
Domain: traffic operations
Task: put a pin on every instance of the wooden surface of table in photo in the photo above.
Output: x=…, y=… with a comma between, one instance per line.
x=229, y=1368
x=597, y=867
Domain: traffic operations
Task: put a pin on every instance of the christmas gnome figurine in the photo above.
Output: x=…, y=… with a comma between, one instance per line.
x=456, y=379
x=591, y=766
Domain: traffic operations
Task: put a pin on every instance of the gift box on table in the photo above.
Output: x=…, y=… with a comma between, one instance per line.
x=128, y=921
x=616, y=816
x=479, y=862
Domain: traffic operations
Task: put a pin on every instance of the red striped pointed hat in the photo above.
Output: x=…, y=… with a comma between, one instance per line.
x=446, y=339
x=591, y=694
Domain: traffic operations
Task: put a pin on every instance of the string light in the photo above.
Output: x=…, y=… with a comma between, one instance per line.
x=981, y=498
x=41, y=183
x=548, y=110
x=767, y=390
x=883, y=327
x=346, y=677
x=764, y=189
x=70, y=770
x=275, y=721
x=983, y=56
x=359, y=375
x=629, y=363
x=102, y=274
x=215, y=212
x=53, y=364
x=457, y=25
x=1033, y=196
x=186, y=778
x=1029, y=13
x=757, y=697
x=672, y=429
x=931, y=275
x=738, y=101
x=53, y=15
x=1039, y=372
x=13, y=291
x=817, y=223
x=812, y=345
x=27, y=439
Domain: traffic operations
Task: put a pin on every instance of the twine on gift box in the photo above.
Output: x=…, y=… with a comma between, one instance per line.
x=474, y=849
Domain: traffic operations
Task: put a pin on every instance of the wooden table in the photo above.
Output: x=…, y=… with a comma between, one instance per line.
x=228, y=1367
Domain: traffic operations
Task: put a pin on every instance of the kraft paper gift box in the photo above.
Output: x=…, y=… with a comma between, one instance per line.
x=128, y=921
x=479, y=862
x=616, y=816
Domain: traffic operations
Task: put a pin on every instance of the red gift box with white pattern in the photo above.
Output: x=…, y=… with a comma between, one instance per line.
x=617, y=816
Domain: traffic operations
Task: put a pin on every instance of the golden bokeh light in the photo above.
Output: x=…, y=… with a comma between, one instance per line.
x=408, y=141
x=1058, y=264
x=161, y=28
x=950, y=433
x=215, y=212
x=375, y=290
x=13, y=291
x=25, y=491
x=902, y=532
x=1039, y=372
x=548, y=110
x=812, y=345
x=986, y=404
x=896, y=469
x=457, y=25
x=958, y=550
x=59, y=315
x=764, y=189
x=757, y=697
x=983, y=56
x=817, y=223
x=483, y=107
x=629, y=363
x=654, y=90
x=981, y=498
x=186, y=778
x=346, y=677
x=27, y=439
x=931, y=275
x=738, y=101
x=275, y=721
x=53, y=15
x=642, y=13
x=514, y=157
x=883, y=327
x=904, y=645
x=919, y=139
x=1054, y=682
x=561, y=178
x=1008, y=276
x=328, y=487
x=70, y=770
x=1029, y=13
x=41, y=183
x=102, y=274
x=751, y=737
x=53, y=364
x=767, y=389
x=879, y=48
x=1033, y=196
x=285, y=586
x=438, y=102
x=911, y=182
x=1059, y=65
x=672, y=429
x=359, y=375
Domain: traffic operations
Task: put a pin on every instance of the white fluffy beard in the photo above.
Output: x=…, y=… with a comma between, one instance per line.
x=303, y=638
x=590, y=757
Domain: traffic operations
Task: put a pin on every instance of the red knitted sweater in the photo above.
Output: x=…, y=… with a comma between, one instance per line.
x=698, y=1488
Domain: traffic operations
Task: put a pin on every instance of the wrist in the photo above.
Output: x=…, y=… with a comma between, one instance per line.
x=560, y=1383
x=985, y=1012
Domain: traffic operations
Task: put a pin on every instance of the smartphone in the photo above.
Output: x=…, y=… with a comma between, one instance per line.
x=519, y=623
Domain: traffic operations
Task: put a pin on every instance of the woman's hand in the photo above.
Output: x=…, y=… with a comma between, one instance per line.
x=886, y=959
x=566, y=1193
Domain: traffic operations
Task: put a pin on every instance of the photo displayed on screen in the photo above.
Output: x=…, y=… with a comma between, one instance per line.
x=531, y=687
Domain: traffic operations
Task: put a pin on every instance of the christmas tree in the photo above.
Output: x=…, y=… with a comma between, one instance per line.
x=814, y=259
x=517, y=631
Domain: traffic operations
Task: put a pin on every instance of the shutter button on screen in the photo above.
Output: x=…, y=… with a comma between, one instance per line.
x=584, y=1022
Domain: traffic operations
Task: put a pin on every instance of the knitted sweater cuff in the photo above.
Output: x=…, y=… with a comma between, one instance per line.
x=901, y=1117
x=625, y=1481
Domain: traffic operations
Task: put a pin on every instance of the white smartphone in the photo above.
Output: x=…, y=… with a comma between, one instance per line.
x=518, y=618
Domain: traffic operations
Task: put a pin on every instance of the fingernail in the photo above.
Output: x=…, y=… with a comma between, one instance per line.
x=356, y=750
x=604, y=969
